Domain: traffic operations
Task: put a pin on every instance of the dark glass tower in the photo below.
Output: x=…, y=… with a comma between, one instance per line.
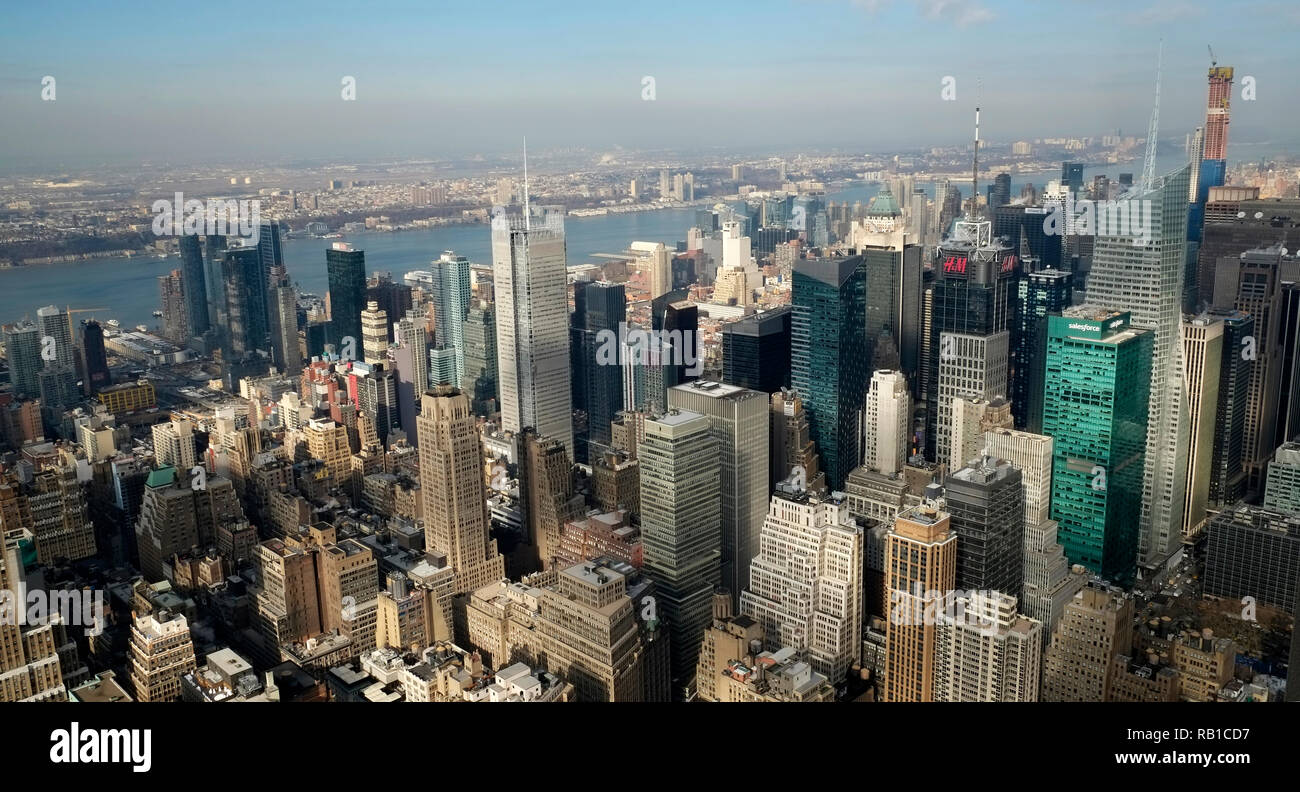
x=756, y=351
x=194, y=282
x=346, y=269
x=1000, y=191
x=599, y=310
x=92, y=341
x=829, y=356
x=677, y=320
x=1022, y=227
x=1072, y=175
x=987, y=507
x=1038, y=294
x=893, y=312
x=240, y=267
x=1227, y=470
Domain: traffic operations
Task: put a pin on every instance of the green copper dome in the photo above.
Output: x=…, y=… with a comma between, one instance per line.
x=884, y=205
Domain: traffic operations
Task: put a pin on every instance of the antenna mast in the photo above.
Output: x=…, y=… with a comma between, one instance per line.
x=975, y=171
x=527, y=219
x=1149, y=164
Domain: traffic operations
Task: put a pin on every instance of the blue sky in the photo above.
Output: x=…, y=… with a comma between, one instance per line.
x=174, y=81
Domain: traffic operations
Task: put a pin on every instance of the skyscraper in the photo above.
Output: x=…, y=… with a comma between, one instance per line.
x=971, y=306
x=374, y=334
x=23, y=351
x=806, y=585
x=990, y=653
x=1038, y=294
x=451, y=481
x=738, y=420
x=92, y=345
x=1146, y=278
x=172, y=300
x=1227, y=468
x=530, y=280
x=1094, y=408
x=828, y=351
x=195, y=284
x=674, y=349
x=480, y=381
x=600, y=309
x=920, y=570
x=986, y=509
x=450, y=297
x=681, y=528
x=1202, y=357
x=886, y=423
x=346, y=268
x=161, y=653
x=241, y=267
x=891, y=258
x=282, y=311
x=1097, y=627
x=58, y=377
x=756, y=351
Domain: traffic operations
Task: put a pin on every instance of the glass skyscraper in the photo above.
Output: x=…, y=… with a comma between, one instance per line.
x=1038, y=294
x=346, y=269
x=1096, y=385
x=829, y=365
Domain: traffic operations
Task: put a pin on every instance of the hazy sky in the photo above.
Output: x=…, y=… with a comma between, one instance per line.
x=169, y=81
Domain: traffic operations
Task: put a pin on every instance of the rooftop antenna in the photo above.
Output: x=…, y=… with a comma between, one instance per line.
x=1149, y=164
x=527, y=219
x=975, y=171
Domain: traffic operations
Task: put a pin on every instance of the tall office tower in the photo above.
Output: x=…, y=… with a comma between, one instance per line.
x=451, y=301
x=1239, y=222
x=1049, y=581
x=60, y=521
x=756, y=350
x=374, y=334
x=161, y=653
x=377, y=399
x=989, y=653
x=972, y=304
x=480, y=381
x=600, y=310
x=1288, y=420
x=1072, y=176
x=1227, y=467
x=412, y=335
x=806, y=585
x=986, y=508
x=1097, y=627
x=171, y=299
x=451, y=480
x=675, y=351
x=546, y=480
x=920, y=572
x=1094, y=407
x=175, y=517
x=288, y=605
x=194, y=282
x=736, y=252
x=394, y=298
x=252, y=283
x=532, y=324
x=1282, y=489
x=346, y=268
x=655, y=262
x=214, y=256
x=1257, y=281
x=886, y=422
x=828, y=350
x=738, y=421
x=348, y=575
x=589, y=632
x=1146, y=278
x=58, y=377
x=891, y=258
x=173, y=444
x=23, y=351
x=791, y=444
x=1202, y=357
x=238, y=265
x=1023, y=227
x=971, y=418
x=1039, y=293
x=282, y=311
x=98, y=376
x=681, y=528
x=999, y=193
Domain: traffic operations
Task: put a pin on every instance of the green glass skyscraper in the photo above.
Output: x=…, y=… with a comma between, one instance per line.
x=829, y=365
x=346, y=268
x=1097, y=380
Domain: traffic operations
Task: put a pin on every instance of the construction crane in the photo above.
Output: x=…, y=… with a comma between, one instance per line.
x=1213, y=61
x=70, y=310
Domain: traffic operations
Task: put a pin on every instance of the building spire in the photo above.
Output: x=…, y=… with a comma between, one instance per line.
x=1149, y=164
x=527, y=219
